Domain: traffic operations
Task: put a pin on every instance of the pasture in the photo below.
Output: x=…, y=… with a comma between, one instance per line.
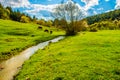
x=88, y=56
x=15, y=37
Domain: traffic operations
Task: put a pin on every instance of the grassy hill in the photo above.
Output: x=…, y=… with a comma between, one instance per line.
x=15, y=37
x=89, y=56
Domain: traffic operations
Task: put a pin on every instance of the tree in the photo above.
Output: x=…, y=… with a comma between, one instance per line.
x=56, y=22
x=49, y=23
x=70, y=13
x=41, y=22
x=34, y=19
x=3, y=12
x=24, y=19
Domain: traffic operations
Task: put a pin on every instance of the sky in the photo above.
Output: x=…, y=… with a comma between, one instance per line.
x=42, y=8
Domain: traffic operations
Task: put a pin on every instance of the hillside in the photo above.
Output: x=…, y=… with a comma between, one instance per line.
x=112, y=15
x=15, y=37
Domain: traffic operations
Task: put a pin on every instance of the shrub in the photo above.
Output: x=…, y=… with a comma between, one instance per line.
x=93, y=29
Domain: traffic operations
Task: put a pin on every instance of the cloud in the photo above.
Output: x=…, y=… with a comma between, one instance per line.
x=107, y=0
x=34, y=9
x=16, y=3
x=109, y=10
x=94, y=12
x=100, y=9
x=41, y=11
x=44, y=7
x=37, y=8
x=117, y=4
x=90, y=3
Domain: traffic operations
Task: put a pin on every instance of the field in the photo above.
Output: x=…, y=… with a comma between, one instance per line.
x=15, y=37
x=87, y=56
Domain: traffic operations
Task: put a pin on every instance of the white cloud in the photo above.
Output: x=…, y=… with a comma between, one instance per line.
x=94, y=12
x=90, y=3
x=44, y=7
x=34, y=9
x=107, y=0
x=117, y=4
x=100, y=9
x=15, y=3
x=109, y=10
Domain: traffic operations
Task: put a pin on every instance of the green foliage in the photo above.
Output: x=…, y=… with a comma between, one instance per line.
x=68, y=15
x=15, y=37
x=93, y=29
x=41, y=22
x=89, y=56
x=81, y=25
x=24, y=19
x=56, y=22
x=112, y=15
x=106, y=25
x=8, y=13
x=49, y=23
x=4, y=14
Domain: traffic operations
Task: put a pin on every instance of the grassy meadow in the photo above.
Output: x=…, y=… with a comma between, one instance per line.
x=15, y=37
x=87, y=56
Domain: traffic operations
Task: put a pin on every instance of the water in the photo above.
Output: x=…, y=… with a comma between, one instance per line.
x=12, y=66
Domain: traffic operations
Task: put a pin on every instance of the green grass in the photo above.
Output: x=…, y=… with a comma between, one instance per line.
x=89, y=56
x=15, y=37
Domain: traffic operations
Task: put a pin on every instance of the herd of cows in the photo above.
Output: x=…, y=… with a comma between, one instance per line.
x=46, y=30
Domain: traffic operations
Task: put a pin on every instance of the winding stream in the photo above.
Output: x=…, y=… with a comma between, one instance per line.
x=12, y=66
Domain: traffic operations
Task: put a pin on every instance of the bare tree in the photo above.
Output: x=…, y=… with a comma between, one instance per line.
x=70, y=13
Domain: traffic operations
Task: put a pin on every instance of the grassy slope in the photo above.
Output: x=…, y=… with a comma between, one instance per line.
x=91, y=56
x=15, y=36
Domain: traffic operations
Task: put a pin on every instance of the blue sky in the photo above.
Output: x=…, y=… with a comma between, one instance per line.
x=42, y=8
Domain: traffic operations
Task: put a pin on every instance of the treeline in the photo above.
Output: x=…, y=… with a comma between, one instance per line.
x=112, y=15
x=105, y=21
x=8, y=13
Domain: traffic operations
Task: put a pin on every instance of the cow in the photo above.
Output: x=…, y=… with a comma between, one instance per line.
x=51, y=32
x=46, y=30
x=39, y=27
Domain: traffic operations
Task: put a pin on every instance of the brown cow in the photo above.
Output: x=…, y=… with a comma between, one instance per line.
x=39, y=27
x=51, y=32
x=46, y=30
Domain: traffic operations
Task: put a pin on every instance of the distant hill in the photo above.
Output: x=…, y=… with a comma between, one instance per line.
x=112, y=15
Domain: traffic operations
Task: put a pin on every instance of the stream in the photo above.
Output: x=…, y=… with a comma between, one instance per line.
x=13, y=65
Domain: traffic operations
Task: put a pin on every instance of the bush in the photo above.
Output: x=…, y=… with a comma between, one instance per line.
x=93, y=29
x=105, y=25
x=24, y=19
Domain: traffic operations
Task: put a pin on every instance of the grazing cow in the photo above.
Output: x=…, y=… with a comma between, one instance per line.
x=46, y=30
x=39, y=27
x=51, y=32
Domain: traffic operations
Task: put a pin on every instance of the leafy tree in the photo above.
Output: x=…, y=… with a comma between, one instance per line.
x=34, y=19
x=49, y=23
x=41, y=22
x=24, y=19
x=8, y=13
x=56, y=22
x=70, y=13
